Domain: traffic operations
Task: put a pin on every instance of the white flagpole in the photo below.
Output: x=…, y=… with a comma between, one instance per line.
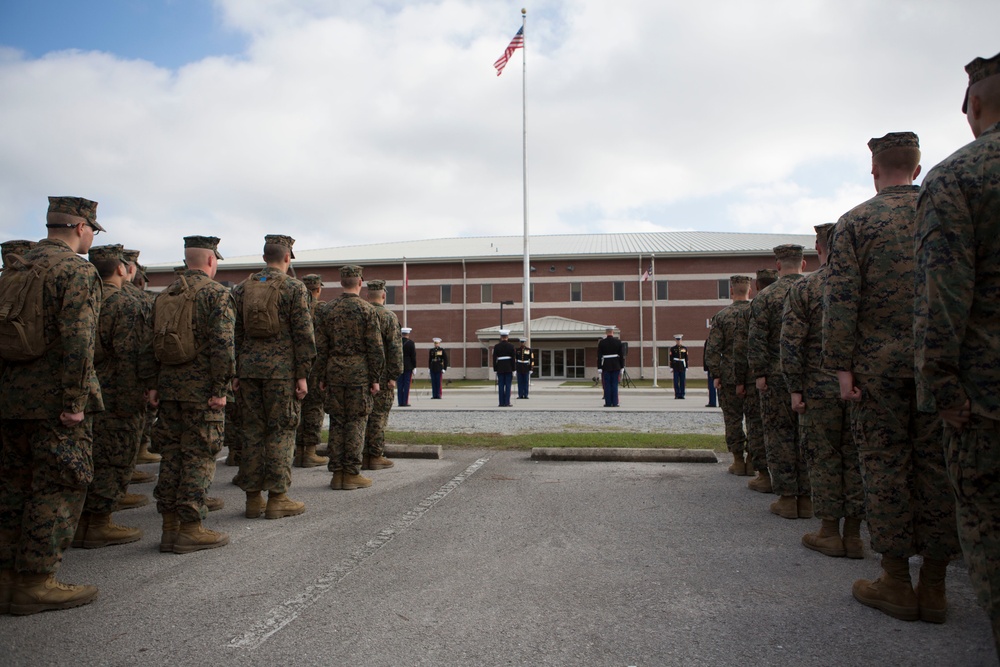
x=656, y=353
x=405, y=290
x=642, y=342
x=524, y=171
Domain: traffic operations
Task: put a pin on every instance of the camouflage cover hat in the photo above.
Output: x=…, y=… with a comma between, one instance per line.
x=788, y=251
x=376, y=285
x=824, y=232
x=893, y=140
x=18, y=247
x=131, y=256
x=78, y=206
x=105, y=252
x=739, y=280
x=313, y=281
x=979, y=69
x=765, y=274
x=205, y=242
x=282, y=240
x=350, y=271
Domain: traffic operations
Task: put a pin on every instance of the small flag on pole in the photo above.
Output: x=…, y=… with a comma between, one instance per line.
x=648, y=274
x=516, y=43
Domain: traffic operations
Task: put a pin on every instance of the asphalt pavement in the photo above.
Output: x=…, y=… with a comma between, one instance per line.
x=491, y=558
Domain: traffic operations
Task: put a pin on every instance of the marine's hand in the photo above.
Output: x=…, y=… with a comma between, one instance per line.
x=798, y=405
x=301, y=388
x=848, y=391
x=71, y=418
x=217, y=403
x=957, y=417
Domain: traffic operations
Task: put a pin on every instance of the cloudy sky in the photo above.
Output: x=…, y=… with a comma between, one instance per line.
x=345, y=122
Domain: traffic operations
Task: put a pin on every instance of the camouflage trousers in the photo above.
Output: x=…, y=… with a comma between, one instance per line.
x=349, y=408
x=785, y=459
x=45, y=468
x=188, y=435
x=379, y=417
x=310, y=431
x=116, y=443
x=756, y=451
x=233, y=436
x=147, y=427
x=269, y=412
x=973, y=458
x=732, y=414
x=911, y=507
x=832, y=457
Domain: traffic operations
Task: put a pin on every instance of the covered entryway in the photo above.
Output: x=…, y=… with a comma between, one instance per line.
x=560, y=345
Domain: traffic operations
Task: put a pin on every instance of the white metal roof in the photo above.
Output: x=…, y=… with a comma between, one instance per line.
x=551, y=326
x=487, y=248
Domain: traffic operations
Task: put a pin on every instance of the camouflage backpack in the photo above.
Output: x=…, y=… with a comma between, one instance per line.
x=260, y=306
x=173, y=321
x=22, y=315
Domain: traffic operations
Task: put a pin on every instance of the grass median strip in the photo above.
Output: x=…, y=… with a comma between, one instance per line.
x=527, y=441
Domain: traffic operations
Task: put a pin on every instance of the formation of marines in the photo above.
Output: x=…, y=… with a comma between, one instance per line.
x=869, y=389
x=878, y=375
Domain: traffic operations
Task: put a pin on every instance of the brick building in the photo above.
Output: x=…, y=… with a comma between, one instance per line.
x=458, y=289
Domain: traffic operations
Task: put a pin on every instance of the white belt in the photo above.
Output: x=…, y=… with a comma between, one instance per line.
x=610, y=356
x=520, y=361
x=502, y=358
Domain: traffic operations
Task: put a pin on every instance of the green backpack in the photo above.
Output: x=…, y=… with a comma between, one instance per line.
x=173, y=322
x=260, y=306
x=22, y=315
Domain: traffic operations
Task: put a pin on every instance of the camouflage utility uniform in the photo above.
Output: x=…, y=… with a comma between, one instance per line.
x=392, y=343
x=718, y=357
x=756, y=436
x=958, y=341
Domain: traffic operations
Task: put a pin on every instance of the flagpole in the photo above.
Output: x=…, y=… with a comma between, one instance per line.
x=656, y=353
x=524, y=177
x=405, y=290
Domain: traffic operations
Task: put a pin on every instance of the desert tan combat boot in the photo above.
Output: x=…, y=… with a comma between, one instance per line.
x=892, y=593
x=146, y=456
x=748, y=469
x=312, y=460
x=131, y=501
x=786, y=507
x=214, y=504
x=81, y=531
x=930, y=591
x=827, y=541
x=102, y=532
x=337, y=481
x=761, y=483
x=192, y=536
x=41, y=592
x=141, y=477
x=171, y=525
x=854, y=547
x=279, y=505
x=352, y=482
x=805, y=506
x=376, y=463
x=7, y=580
x=255, y=505
x=738, y=466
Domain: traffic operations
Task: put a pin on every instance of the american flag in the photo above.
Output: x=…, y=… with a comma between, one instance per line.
x=516, y=43
x=648, y=274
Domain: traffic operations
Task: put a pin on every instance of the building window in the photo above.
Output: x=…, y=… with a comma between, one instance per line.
x=663, y=357
x=576, y=291
x=618, y=290
x=486, y=293
x=531, y=292
x=445, y=293
x=662, y=290
x=576, y=363
x=484, y=358
x=723, y=289
x=390, y=294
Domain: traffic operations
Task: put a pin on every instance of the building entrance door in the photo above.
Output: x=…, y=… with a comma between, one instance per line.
x=552, y=364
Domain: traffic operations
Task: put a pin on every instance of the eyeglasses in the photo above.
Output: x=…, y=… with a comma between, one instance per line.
x=74, y=224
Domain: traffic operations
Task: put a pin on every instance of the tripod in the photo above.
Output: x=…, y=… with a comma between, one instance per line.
x=626, y=380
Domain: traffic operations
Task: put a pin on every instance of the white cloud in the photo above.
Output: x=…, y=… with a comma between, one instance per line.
x=347, y=123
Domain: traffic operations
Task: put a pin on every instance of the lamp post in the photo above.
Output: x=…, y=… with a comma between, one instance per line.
x=502, y=304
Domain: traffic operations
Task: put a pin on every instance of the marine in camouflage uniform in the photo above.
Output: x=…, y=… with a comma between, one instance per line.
x=746, y=388
x=868, y=303
x=192, y=398
x=124, y=363
x=718, y=358
x=392, y=344
x=47, y=406
x=958, y=325
x=310, y=431
x=350, y=356
x=273, y=374
x=134, y=285
x=824, y=422
x=785, y=460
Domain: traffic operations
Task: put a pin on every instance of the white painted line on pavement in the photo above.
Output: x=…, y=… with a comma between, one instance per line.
x=289, y=610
